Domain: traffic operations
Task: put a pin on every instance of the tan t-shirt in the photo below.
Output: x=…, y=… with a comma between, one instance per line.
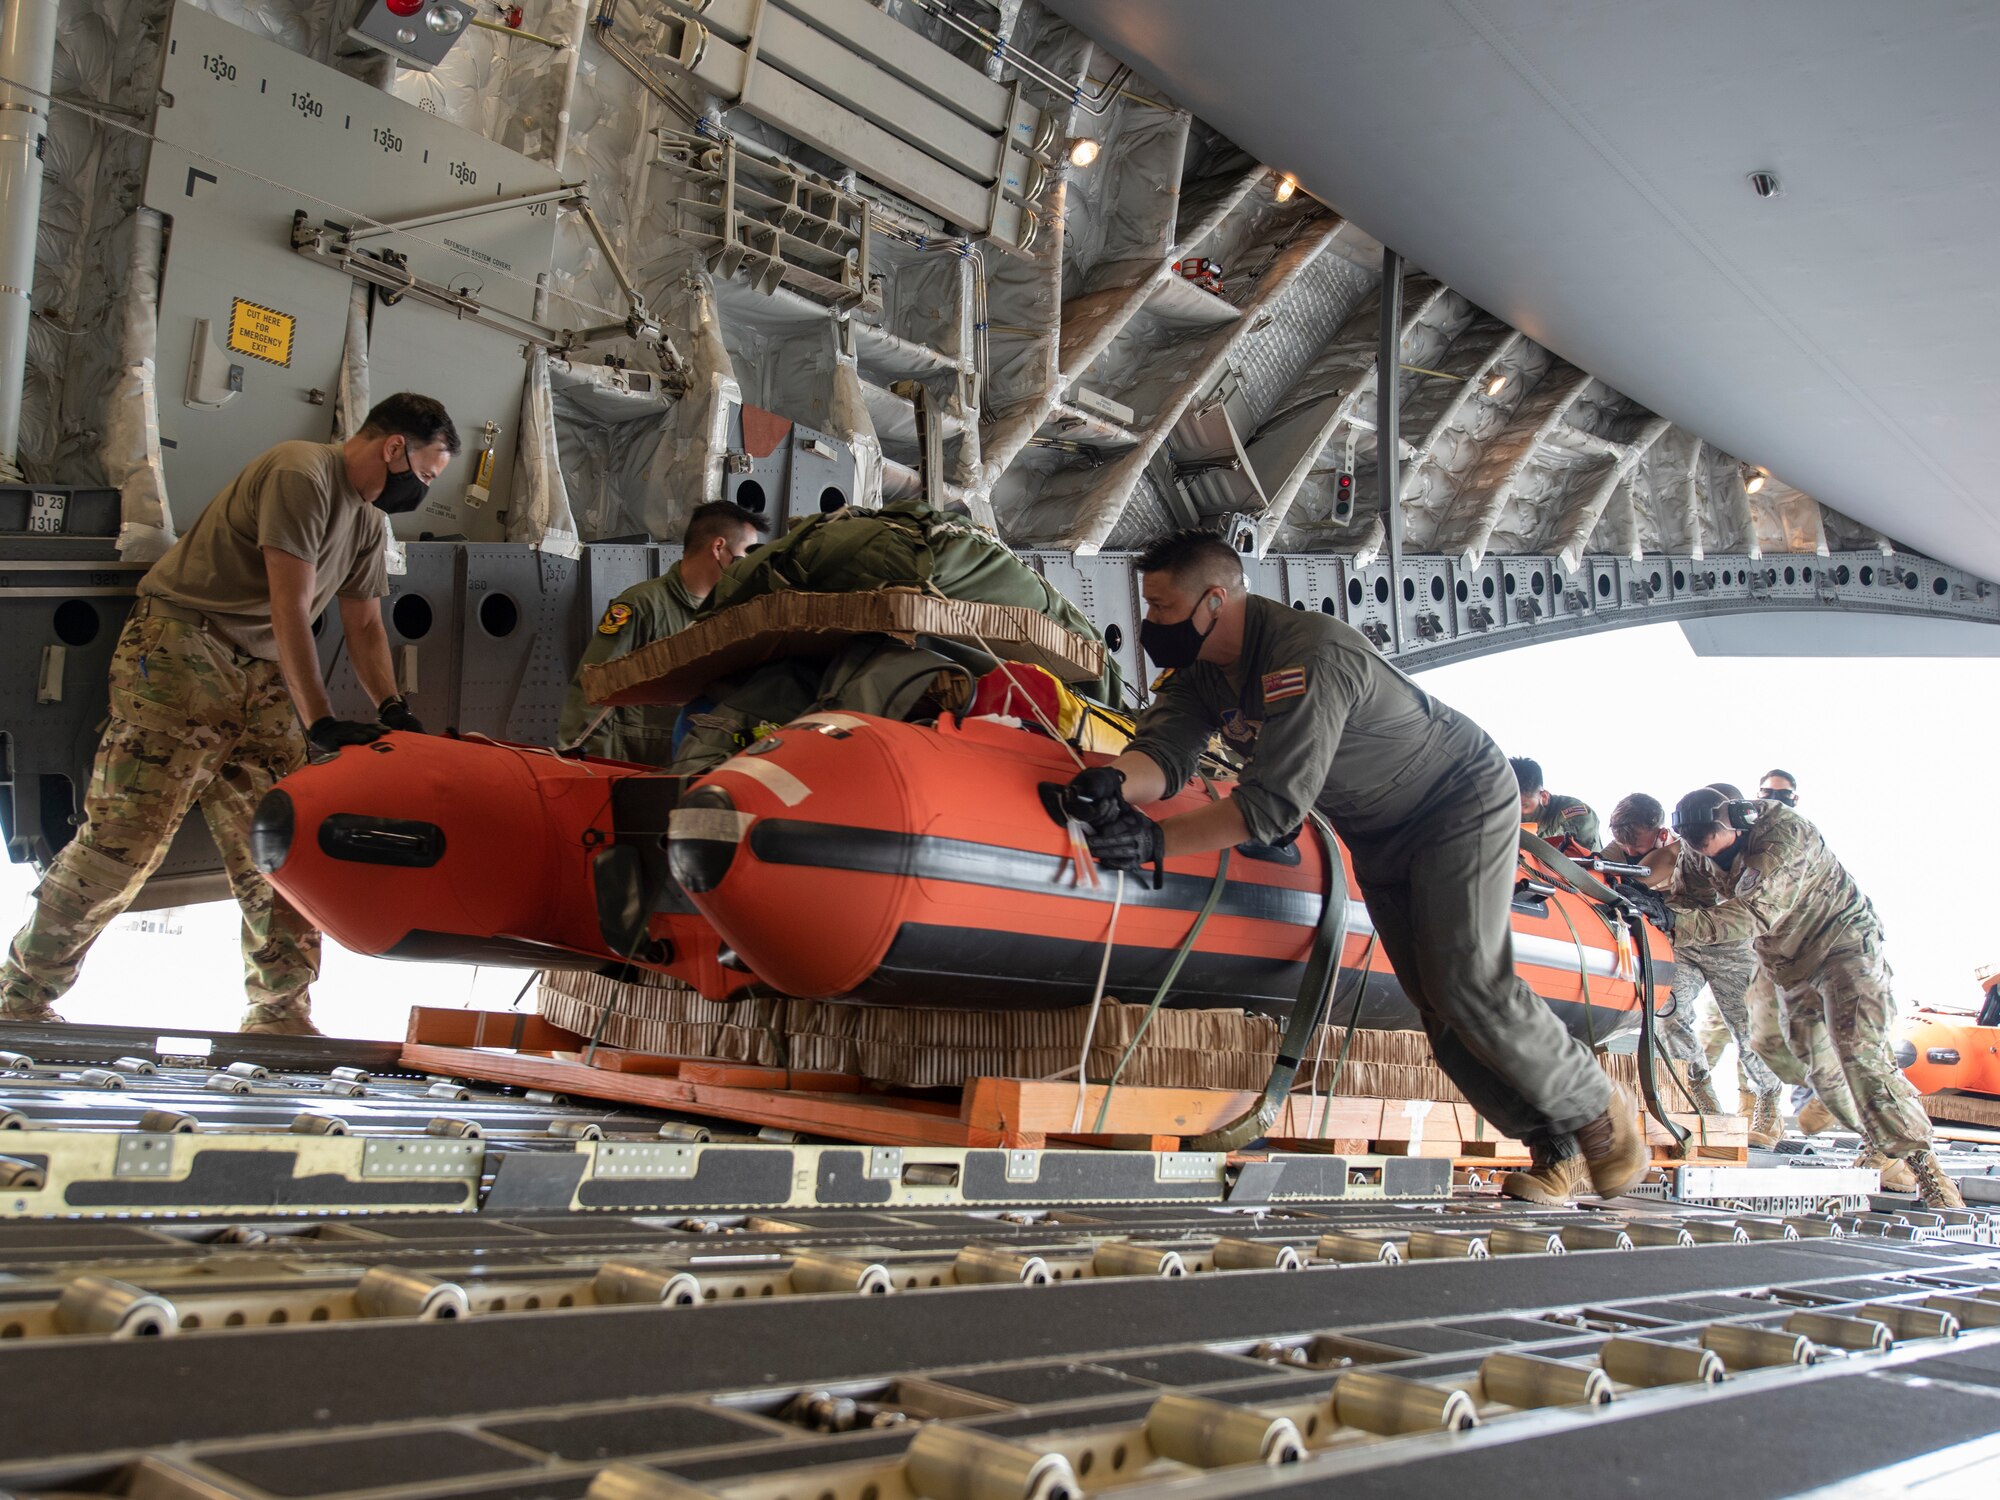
x=296, y=498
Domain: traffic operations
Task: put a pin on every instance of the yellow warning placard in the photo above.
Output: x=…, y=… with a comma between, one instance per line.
x=261, y=332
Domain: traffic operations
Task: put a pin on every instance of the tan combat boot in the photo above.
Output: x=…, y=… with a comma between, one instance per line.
x=1552, y=1181
x=1701, y=1093
x=1815, y=1117
x=271, y=1020
x=1767, y=1127
x=1935, y=1189
x=36, y=1011
x=1896, y=1176
x=1614, y=1147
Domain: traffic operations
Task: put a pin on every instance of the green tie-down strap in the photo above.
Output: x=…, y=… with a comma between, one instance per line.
x=1322, y=969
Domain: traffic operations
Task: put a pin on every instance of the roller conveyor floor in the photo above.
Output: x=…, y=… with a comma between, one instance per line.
x=466, y=1293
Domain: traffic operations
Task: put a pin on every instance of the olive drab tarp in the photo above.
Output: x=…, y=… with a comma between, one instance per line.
x=872, y=674
x=905, y=544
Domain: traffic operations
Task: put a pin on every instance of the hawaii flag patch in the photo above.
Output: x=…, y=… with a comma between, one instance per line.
x=1289, y=683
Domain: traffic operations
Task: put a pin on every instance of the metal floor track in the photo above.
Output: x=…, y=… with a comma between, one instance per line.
x=462, y=1296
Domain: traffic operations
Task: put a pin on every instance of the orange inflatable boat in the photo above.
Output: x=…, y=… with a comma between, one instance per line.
x=475, y=851
x=1945, y=1051
x=841, y=857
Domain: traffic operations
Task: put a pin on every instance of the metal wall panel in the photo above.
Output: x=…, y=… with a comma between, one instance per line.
x=1479, y=609
x=1370, y=602
x=821, y=474
x=229, y=95
x=1646, y=584
x=1430, y=611
x=1527, y=589
x=1317, y=582
x=421, y=618
x=520, y=619
x=1108, y=594
x=1266, y=576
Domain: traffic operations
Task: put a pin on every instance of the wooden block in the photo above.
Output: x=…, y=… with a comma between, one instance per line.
x=749, y=1076
x=517, y=1031
x=618, y=1060
x=845, y=1117
x=1337, y=1145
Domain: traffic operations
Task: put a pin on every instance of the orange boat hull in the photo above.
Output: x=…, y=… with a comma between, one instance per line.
x=1947, y=1052
x=844, y=857
x=900, y=864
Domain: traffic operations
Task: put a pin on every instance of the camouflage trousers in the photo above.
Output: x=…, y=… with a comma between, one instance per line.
x=1838, y=1022
x=193, y=720
x=1727, y=969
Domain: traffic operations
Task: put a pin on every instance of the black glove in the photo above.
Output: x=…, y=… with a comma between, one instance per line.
x=1131, y=841
x=330, y=734
x=1093, y=797
x=1649, y=902
x=394, y=713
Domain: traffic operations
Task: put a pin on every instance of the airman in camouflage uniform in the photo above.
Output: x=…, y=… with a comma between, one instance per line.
x=1423, y=801
x=211, y=680
x=192, y=721
x=1728, y=969
x=1819, y=939
x=1550, y=814
x=717, y=534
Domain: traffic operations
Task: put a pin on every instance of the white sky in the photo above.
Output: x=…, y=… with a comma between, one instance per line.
x=1880, y=747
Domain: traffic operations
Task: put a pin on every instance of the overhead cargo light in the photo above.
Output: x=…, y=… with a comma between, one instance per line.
x=1755, y=482
x=1286, y=187
x=1083, y=151
x=1496, y=385
x=1766, y=185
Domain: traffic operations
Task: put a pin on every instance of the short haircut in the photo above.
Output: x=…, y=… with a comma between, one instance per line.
x=1528, y=773
x=1728, y=789
x=419, y=420
x=1786, y=775
x=1198, y=557
x=1636, y=814
x=1698, y=817
x=719, y=518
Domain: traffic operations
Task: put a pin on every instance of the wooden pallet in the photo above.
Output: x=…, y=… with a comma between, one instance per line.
x=529, y=1052
x=1963, y=1110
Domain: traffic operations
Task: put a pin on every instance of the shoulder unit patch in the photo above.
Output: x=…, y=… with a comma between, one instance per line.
x=616, y=618
x=1289, y=682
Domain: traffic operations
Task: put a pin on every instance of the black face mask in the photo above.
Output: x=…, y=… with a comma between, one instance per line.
x=1172, y=648
x=402, y=492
